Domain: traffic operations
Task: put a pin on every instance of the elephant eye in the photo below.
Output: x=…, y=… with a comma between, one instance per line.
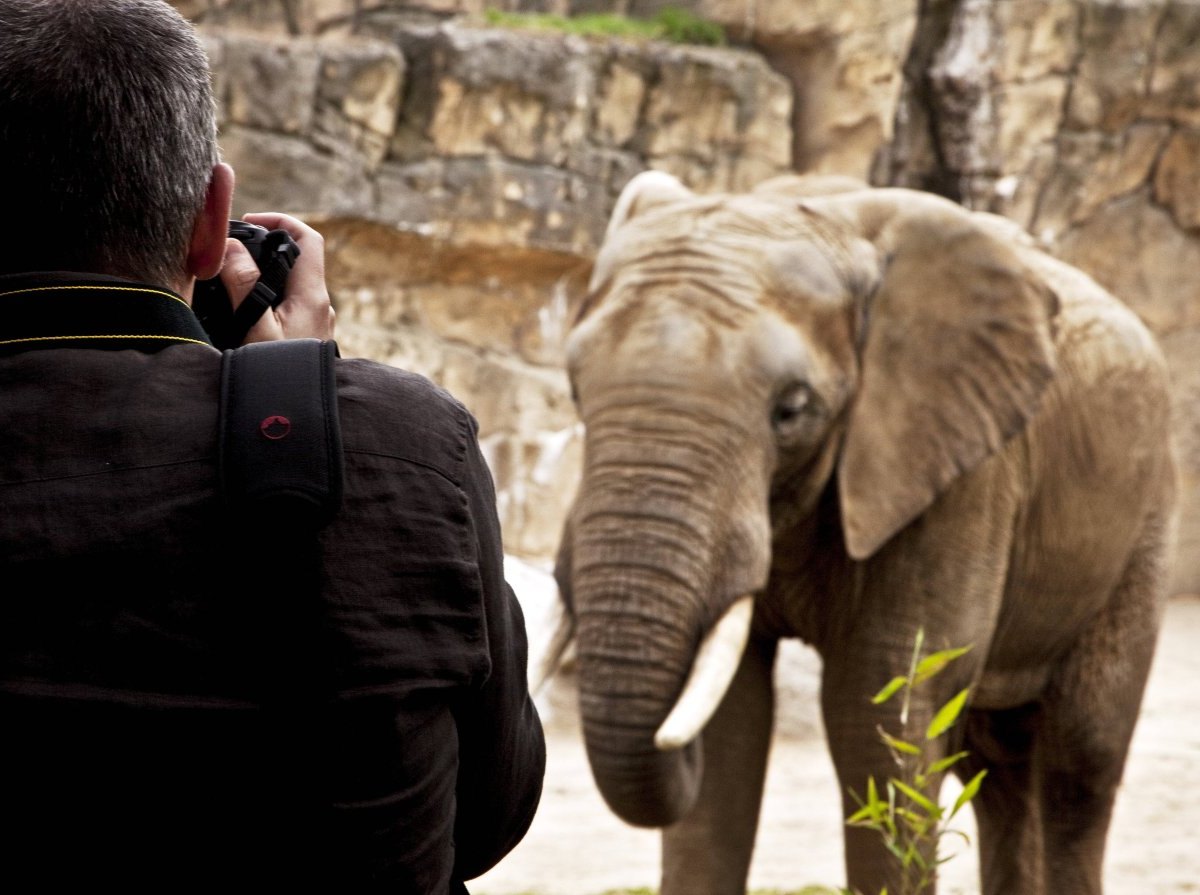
x=797, y=411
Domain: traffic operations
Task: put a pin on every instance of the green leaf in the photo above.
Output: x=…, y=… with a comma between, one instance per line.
x=919, y=797
x=949, y=761
x=893, y=686
x=863, y=817
x=871, y=810
x=873, y=794
x=918, y=857
x=935, y=662
x=959, y=834
x=899, y=745
x=917, y=824
x=912, y=673
x=968, y=792
x=947, y=715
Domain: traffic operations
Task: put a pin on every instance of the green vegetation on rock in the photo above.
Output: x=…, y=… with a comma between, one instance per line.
x=670, y=24
x=645, y=890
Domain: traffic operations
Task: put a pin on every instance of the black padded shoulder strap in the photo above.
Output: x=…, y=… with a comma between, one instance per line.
x=280, y=442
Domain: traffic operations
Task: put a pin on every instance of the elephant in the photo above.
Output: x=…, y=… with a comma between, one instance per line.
x=842, y=413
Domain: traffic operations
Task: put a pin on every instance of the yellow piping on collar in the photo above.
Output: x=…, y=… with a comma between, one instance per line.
x=106, y=288
x=99, y=336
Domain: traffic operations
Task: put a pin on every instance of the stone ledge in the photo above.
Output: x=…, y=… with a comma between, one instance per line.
x=489, y=136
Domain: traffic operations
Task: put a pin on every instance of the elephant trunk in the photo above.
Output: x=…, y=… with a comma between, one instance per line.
x=628, y=683
x=646, y=589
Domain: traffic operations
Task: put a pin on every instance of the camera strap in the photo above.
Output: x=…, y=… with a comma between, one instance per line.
x=280, y=447
x=280, y=467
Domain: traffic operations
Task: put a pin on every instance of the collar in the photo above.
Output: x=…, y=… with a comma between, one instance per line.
x=77, y=310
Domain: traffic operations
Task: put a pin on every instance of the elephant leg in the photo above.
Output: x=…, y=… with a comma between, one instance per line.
x=1089, y=711
x=1006, y=807
x=1089, y=715
x=920, y=581
x=708, y=852
x=852, y=727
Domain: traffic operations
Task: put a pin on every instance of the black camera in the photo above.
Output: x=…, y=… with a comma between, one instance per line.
x=275, y=253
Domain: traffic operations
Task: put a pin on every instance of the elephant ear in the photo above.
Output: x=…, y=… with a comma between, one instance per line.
x=958, y=351
x=646, y=190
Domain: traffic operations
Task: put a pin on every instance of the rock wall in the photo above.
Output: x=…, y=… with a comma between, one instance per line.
x=463, y=175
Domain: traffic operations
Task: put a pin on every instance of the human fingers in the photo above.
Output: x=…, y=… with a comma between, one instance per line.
x=239, y=273
x=306, y=310
x=309, y=271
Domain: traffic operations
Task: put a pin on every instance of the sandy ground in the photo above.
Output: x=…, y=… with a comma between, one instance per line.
x=577, y=847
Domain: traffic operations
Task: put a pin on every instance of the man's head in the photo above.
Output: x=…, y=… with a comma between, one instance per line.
x=107, y=139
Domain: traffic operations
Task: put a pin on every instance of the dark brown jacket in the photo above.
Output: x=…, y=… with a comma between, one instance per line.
x=139, y=626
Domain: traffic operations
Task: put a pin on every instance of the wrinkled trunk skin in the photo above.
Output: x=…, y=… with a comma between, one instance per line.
x=637, y=635
x=651, y=524
x=628, y=682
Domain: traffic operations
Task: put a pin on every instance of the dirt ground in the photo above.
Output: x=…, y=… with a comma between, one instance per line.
x=577, y=847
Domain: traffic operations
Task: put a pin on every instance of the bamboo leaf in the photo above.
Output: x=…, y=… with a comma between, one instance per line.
x=917, y=824
x=949, y=761
x=872, y=793
x=893, y=687
x=947, y=715
x=912, y=671
x=968, y=792
x=919, y=797
x=899, y=745
x=958, y=834
x=863, y=817
x=935, y=662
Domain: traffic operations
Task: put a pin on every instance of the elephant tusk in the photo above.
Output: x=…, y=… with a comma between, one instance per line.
x=716, y=662
x=556, y=648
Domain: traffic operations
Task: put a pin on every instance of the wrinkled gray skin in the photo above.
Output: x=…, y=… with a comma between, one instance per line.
x=873, y=411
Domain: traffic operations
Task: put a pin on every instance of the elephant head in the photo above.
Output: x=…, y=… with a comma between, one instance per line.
x=737, y=357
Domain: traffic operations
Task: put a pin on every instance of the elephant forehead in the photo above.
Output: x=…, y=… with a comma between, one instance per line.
x=704, y=219
x=754, y=244
x=805, y=269
x=671, y=341
x=662, y=324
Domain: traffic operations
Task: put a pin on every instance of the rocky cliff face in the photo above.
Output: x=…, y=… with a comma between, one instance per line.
x=463, y=175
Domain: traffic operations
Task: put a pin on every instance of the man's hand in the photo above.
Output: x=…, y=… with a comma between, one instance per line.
x=306, y=311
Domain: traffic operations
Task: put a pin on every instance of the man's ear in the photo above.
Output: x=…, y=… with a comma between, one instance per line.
x=206, y=251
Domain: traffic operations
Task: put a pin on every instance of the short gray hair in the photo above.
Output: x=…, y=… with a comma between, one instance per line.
x=107, y=136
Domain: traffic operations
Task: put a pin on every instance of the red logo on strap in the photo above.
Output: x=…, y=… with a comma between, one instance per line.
x=275, y=427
